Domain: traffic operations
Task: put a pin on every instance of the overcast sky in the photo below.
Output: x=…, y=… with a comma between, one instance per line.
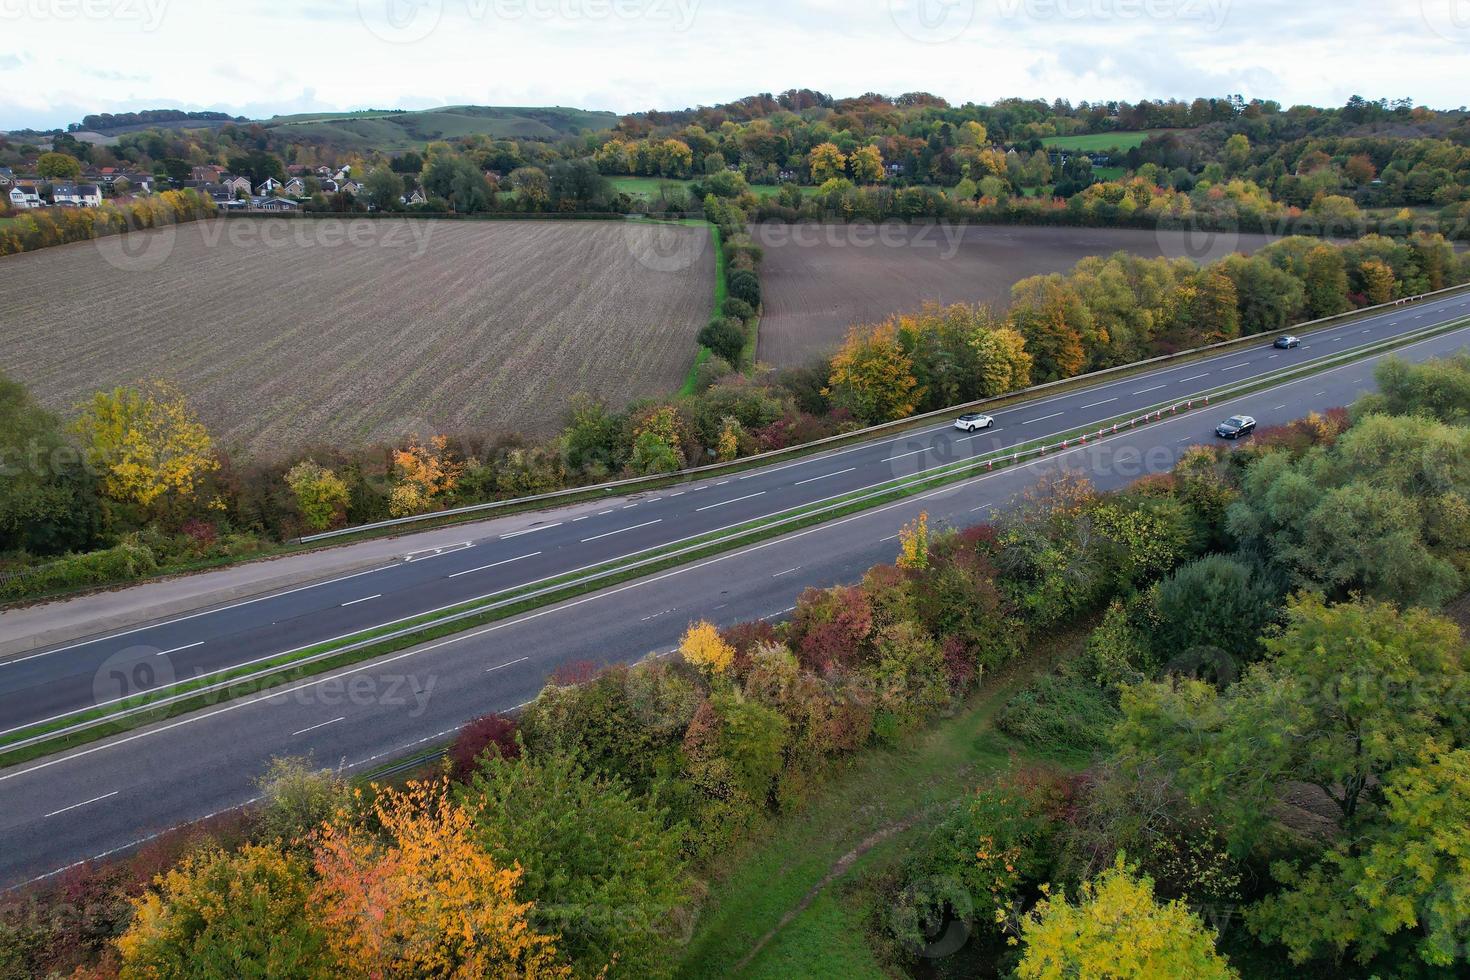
x=61, y=59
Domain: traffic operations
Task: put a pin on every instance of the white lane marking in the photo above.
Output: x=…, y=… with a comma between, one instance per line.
x=1195, y=377
x=735, y=500
x=98, y=799
x=787, y=572
x=582, y=518
x=511, y=664
x=1154, y=388
x=599, y=537
x=916, y=452
x=365, y=598
x=981, y=507
x=530, y=530
x=495, y=564
x=722, y=483
x=824, y=476
x=891, y=537
x=313, y=728
x=189, y=646
x=1043, y=418
x=1319, y=394
x=1232, y=367
x=1278, y=408
x=629, y=506
x=679, y=494
x=982, y=432
x=1105, y=401
x=602, y=512
x=1270, y=356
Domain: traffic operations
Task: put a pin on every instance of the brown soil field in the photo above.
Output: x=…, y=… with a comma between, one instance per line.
x=287, y=333
x=818, y=280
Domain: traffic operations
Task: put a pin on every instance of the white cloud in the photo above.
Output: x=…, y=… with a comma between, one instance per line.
x=256, y=58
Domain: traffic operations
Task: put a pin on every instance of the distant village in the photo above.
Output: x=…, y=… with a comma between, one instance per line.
x=228, y=191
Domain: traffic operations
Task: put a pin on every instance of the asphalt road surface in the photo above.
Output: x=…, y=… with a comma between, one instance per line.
x=113, y=794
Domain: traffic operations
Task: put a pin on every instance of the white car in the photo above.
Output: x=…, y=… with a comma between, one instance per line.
x=973, y=421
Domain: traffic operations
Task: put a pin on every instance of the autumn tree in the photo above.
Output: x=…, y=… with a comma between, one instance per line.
x=419, y=897
x=872, y=376
x=48, y=502
x=424, y=473
x=215, y=914
x=602, y=866
x=913, y=543
x=867, y=165
x=1117, y=930
x=827, y=163
x=1378, y=281
x=703, y=647
x=1005, y=364
x=1326, y=282
x=320, y=494
x=1053, y=330
x=147, y=444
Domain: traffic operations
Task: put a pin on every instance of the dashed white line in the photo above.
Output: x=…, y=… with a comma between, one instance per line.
x=599, y=537
x=313, y=728
x=1043, y=418
x=495, y=564
x=916, y=452
x=1232, y=367
x=787, y=572
x=981, y=507
x=363, y=599
x=1105, y=401
x=734, y=500
x=824, y=476
x=511, y=664
x=1278, y=408
x=582, y=518
x=1154, y=388
x=603, y=512
x=188, y=646
x=1194, y=377
x=530, y=530
x=891, y=537
x=98, y=799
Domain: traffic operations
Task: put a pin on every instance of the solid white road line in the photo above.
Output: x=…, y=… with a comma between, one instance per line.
x=736, y=500
x=495, y=564
x=98, y=799
x=315, y=727
x=530, y=530
x=824, y=476
x=599, y=537
x=363, y=599
x=189, y=646
x=511, y=664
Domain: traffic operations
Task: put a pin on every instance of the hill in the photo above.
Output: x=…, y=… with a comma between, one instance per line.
x=399, y=130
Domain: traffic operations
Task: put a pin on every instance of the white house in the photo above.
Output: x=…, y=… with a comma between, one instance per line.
x=77, y=195
x=267, y=187
x=24, y=196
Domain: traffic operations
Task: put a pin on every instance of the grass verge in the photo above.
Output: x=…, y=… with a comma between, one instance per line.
x=752, y=891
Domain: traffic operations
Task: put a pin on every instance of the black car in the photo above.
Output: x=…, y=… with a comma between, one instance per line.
x=1235, y=427
x=1288, y=342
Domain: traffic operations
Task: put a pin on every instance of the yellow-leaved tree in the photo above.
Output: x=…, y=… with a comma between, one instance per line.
x=320, y=494
x=867, y=165
x=1120, y=932
x=146, y=443
x=421, y=898
x=826, y=162
x=872, y=376
x=913, y=543
x=703, y=647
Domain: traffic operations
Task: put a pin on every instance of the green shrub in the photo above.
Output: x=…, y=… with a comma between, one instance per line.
x=124, y=561
x=725, y=336
x=738, y=308
x=1055, y=712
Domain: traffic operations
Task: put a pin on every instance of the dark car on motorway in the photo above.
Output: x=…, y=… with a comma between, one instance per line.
x=1236, y=426
x=1287, y=342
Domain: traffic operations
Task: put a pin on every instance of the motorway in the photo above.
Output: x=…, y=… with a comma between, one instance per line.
x=112, y=794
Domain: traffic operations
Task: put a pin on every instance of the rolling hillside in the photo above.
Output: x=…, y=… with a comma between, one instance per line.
x=406, y=130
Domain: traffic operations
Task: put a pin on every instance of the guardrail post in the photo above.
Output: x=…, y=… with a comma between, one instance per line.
x=988, y=465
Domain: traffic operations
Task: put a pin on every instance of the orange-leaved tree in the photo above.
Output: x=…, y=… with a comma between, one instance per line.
x=420, y=898
x=424, y=472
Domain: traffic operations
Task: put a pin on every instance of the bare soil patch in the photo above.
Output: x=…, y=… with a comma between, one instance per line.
x=817, y=280
x=288, y=333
